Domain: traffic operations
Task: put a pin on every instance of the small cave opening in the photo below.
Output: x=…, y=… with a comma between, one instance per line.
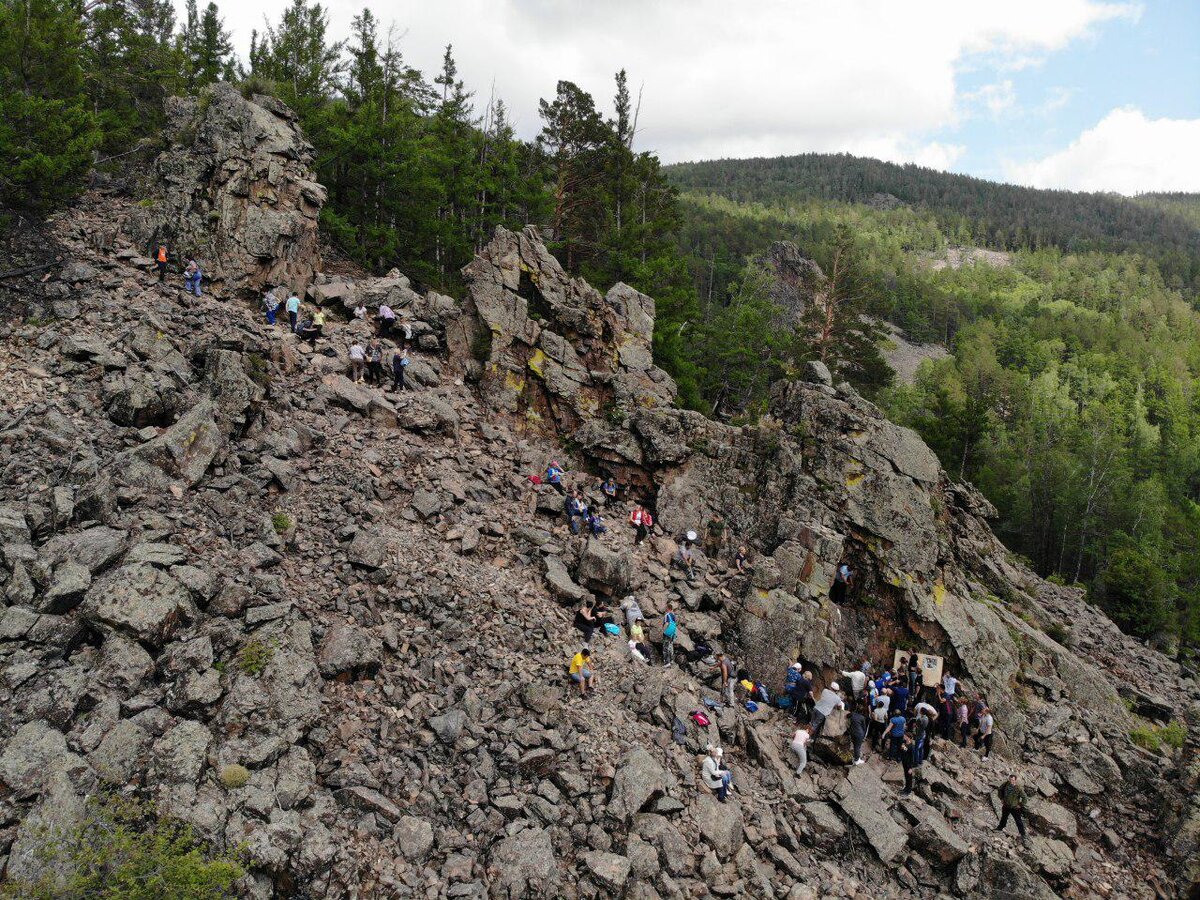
x=528, y=291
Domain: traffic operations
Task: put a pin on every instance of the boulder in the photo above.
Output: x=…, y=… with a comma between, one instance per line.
x=522, y=865
x=141, y=600
x=449, y=725
x=178, y=757
x=720, y=825
x=369, y=548
x=639, y=778
x=603, y=570
x=415, y=837
x=863, y=797
x=348, y=650
x=608, y=870
x=181, y=453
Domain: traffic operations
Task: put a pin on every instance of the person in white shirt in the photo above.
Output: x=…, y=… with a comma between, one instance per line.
x=829, y=700
x=800, y=747
x=949, y=685
x=358, y=360
x=387, y=319
x=716, y=776
x=858, y=682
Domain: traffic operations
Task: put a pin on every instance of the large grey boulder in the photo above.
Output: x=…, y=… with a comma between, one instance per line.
x=181, y=453
x=603, y=570
x=522, y=865
x=141, y=600
x=348, y=650
x=237, y=190
x=639, y=778
x=720, y=825
x=863, y=797
x=57, y=815
x=609, y=870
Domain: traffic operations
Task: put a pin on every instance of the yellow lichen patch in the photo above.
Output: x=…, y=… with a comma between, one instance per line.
x=939, y=593
x=536, y=362
x=513, y=381
x=854, y=479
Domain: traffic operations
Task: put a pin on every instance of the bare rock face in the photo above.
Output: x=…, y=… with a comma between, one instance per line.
x=796, y=279
x=236, y=191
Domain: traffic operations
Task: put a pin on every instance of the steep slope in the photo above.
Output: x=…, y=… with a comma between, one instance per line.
x=219, y=550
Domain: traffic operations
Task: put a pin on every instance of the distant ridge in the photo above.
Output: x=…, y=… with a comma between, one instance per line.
x=1164, y=227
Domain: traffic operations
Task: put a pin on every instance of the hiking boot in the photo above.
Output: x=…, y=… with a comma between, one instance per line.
x=859, y=762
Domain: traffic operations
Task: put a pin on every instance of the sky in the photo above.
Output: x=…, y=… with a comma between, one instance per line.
x=1092, y=95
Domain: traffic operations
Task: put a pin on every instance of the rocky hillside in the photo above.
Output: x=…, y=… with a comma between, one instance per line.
x=219, y=551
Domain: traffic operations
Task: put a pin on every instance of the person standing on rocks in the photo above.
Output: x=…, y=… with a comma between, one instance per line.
x=387, y=319
x=554, y=477
x=983, y=739
x=799, y=746
x=728, y=675
x=714, y=537
x=399, y=364
x=908, y=762
x=716, y=776
x=896, y=731
x=829, y=700
x=858, y=730
x=858, y=683
x=160, y=262
x=270, y=306
x=962, y=718
x=581, y=672
x=920, y=724
x=1012, y=803
x=670, y=628
x=358, y=359
x=374, y=363
x=945, y=715
x=293, y=309
x=842, y=582
x=642, y=521
x=879, y=718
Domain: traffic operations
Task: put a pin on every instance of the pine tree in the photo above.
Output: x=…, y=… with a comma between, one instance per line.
x=212, y=57
x=47, y=131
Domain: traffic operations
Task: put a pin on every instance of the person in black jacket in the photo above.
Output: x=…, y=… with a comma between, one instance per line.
x=908, y=761
x=1012, y=803
x=858, y=731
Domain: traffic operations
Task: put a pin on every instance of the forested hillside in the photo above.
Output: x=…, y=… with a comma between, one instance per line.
x=971, y=210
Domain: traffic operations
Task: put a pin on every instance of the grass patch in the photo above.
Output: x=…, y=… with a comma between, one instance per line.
x=258, y=370
x=234, y=776
x=281, y=522
x=122, y=851
x=1155, y=737
x=254, y=657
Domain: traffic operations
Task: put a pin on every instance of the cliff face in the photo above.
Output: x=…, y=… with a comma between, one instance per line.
x=218, y=550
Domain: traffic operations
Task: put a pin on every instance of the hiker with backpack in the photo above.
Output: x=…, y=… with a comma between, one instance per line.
x=400, y=363
x=642, y=521
x=581, y=672
x=576, y=510
x=374, y=363
x=799, y=746
x=716, y=777
x=670, y=628
x=192, y=276
x=314, y=329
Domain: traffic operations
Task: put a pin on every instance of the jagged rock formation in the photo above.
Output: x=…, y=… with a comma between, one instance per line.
x=795, y=279
x=217, y=550
x=236, y=190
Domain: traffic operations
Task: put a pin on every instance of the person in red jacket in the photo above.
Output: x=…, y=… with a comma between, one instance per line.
x=641, y=519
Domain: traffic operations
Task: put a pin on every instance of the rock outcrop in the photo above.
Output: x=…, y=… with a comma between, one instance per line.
x=234, y=189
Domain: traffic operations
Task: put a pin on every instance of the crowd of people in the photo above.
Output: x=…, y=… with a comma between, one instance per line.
x=898, y=714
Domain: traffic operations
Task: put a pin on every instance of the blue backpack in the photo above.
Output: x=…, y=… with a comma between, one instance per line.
x=669, y=628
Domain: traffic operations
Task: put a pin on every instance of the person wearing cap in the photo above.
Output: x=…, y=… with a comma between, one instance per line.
x=799, y=746
x=829, y=700
x=581, y=672
x=716, y=777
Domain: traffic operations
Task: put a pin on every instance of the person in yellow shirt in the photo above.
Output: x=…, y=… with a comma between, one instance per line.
x=581, y=672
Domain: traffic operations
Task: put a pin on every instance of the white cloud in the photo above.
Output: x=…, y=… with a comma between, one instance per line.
x=720, y=78
x=996, y=98
x=1056, y=98
x=1125, y=152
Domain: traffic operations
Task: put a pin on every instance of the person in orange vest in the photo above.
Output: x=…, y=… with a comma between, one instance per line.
x=160, y=260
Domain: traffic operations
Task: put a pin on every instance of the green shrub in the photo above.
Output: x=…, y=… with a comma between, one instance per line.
x=256, y=368
x=255, y=656
x=1057, y=633
x=1146, y=737
x=121, y=851
x=1153, y=737
x=234, y=776
x=281, y=522
x=1173, y=735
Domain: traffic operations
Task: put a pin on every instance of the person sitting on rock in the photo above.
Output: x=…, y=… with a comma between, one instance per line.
x=685, y=558
x=575, y=510
x=608, y=490
x=595, y=523
x=358, y=361
x=270, y=305
x=829, y=700
x=581, y=672
x=318, y=326
x=742, y=560
x=1012, y=803
x=637, y=630
x=799, y=746
x=716, y=777
x=639, y=651
x=945, y=715
x=360, y=311
x=642, y=521
x=192, y=277
x=554, y=477
x=585, y=621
